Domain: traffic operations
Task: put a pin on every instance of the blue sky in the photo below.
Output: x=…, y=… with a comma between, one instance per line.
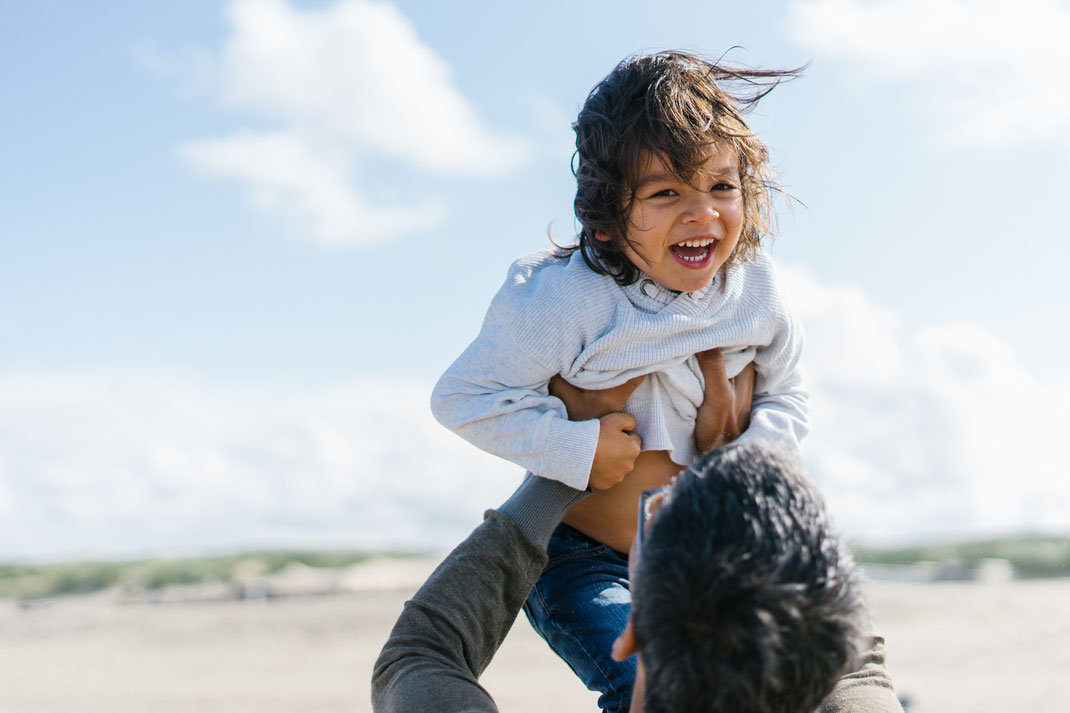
x=241, y=239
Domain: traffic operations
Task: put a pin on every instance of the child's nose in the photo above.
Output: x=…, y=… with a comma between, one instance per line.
x=702, y=209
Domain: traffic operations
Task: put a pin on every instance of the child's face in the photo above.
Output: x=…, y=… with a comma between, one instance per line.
x=681, y=232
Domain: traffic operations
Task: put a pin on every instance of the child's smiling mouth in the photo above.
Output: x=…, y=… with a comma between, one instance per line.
x=696, y=252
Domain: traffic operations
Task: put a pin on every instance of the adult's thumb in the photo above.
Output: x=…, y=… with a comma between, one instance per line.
x=711, y=361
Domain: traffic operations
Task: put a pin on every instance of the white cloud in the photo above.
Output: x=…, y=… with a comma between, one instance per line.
x=990, y=70
x=108, y=463
x=347, y=81
x=936, y=432
x=287, y=176
x=358, y=71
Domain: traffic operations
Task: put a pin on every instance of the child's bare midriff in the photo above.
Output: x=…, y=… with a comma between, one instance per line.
x=609, y=516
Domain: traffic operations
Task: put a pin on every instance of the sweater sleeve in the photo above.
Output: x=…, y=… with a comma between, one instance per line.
x=780, y=409
x=450, y=630
x=866, y=689
x=495, y=394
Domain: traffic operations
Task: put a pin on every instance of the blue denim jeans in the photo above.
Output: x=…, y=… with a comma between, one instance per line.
x=580, y=605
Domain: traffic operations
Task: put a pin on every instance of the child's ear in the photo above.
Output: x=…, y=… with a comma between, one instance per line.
x=625, y=645
x=601, y=235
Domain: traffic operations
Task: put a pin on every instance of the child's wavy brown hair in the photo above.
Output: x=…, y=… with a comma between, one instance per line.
x=680, y=107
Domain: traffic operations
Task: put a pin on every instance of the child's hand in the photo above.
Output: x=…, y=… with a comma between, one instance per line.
x=616, y=452
x=618, y=447
x=725, y=409
x=585, y=404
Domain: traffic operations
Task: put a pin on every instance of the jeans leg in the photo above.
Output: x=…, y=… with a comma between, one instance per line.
x=580, y=605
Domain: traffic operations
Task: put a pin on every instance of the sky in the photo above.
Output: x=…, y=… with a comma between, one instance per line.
x=239, y=242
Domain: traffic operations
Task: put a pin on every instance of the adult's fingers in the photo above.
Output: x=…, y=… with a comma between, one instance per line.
x=631, y=384
x=743, y=386
x=562, y=389
x=616, y=397
x=718, y=390
x=711, y=362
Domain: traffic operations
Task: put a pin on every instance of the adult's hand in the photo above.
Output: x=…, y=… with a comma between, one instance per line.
x=725, y=410
x=585, y=404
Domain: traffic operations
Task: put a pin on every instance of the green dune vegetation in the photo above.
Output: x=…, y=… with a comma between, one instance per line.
x=32, y=581
x=1028, y=557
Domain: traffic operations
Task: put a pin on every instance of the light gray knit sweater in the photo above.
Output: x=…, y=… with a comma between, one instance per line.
x=554, y=315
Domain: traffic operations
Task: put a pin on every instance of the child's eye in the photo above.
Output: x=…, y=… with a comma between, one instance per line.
x=724, y=187
x=664, y=193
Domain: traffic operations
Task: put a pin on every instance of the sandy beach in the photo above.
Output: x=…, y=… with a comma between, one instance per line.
x=953, y=647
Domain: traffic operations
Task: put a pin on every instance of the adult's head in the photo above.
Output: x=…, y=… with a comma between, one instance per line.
x=744, y=597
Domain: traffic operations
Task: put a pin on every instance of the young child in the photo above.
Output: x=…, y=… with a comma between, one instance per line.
x=673, y=196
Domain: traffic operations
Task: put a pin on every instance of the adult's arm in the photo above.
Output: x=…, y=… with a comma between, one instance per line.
x=722, y=417
x=866, y=689
x=725, y=410
x=449, y=631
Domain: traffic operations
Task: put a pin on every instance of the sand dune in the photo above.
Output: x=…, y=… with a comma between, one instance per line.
x=953, y=647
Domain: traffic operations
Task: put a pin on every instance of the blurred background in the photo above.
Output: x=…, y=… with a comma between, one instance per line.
x=240, y=240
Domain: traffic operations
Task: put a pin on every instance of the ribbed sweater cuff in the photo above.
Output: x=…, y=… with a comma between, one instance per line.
x=569, y=452
x=537, y=506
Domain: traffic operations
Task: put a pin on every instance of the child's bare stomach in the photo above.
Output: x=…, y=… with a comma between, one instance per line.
x=609, y=516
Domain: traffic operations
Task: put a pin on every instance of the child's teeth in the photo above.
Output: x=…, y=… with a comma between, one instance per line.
x=696, y=258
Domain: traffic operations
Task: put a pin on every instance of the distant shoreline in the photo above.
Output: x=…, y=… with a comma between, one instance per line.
x=285, y=573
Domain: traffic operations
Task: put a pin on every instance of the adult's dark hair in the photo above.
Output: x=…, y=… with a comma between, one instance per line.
x=745, y=598
x=680, y=107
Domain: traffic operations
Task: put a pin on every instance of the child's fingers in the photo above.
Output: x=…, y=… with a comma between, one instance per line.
x=617, y=449
x=625, y=422
x=620, y=421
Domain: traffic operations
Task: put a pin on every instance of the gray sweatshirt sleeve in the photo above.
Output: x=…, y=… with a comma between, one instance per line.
x=495, y=396
x=867, y=689
x=449, y=631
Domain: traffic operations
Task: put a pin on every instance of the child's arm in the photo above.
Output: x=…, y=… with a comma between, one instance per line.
x=529, y=426
x=780, y=408
x=496, y=395
x=517, y=420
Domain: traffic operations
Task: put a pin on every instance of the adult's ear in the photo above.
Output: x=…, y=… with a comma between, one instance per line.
x=626, y=645
x=601, y=235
